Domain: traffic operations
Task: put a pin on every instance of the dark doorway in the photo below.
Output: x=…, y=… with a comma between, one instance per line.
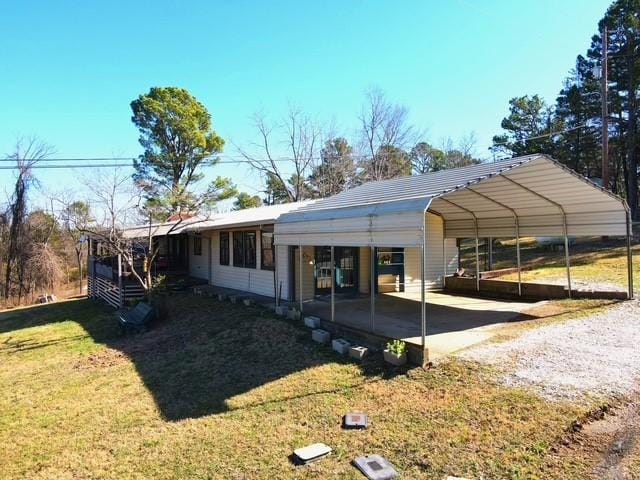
x=346, y=270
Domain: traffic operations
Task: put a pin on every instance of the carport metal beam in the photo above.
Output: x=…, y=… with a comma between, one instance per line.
x=629, y=253
x=564, y=225
x=333, y=286
x=517, y=225
x=300, y=275
x=372, y=263
x=475, y=225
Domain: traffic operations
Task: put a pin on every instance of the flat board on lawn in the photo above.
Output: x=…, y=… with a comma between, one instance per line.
x=374, y=467
x=356, y=420
x=311, y=453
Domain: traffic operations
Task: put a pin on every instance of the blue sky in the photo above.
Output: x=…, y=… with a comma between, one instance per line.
x=70, y=69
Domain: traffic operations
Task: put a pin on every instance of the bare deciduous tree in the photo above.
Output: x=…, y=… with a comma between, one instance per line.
x=384, y=132
x=300, y=137
x=120, y=205
x=76, y=218
x=28, y=151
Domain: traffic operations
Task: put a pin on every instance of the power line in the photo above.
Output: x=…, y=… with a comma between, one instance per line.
x=226, y=159
x=99, y=165
x=559, y=132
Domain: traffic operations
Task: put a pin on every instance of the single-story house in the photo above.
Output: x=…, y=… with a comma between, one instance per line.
x=397, y=236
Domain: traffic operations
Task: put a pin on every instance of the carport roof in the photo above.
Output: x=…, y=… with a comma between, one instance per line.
x=535, y=188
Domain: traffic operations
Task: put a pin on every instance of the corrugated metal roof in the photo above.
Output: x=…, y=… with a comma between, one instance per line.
x=248, y=216
x=160, y=229
x=416, y=186
x=537, y=190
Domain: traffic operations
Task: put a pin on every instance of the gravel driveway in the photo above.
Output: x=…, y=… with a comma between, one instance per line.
x=595, y=355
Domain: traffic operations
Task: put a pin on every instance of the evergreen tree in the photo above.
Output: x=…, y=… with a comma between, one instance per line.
x=336, y=171
x=178, y=141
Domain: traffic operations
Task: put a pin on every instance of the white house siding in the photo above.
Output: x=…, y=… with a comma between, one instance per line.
x=282, y=271
x=434, y=257
x=308, y=287
x=199, y=264
x=253, y=280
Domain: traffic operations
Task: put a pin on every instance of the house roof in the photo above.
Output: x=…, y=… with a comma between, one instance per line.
x=160, y=229
x=248, y=217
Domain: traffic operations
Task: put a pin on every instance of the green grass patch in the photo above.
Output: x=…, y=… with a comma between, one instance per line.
x=225, y=391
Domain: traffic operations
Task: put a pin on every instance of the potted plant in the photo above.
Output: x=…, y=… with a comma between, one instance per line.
x=396, y=352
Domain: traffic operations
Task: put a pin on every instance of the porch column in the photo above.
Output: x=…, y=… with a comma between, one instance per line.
x=629, y=256
x=373, y=288
x=120, y=286
x=300, y=276
x=333, y=286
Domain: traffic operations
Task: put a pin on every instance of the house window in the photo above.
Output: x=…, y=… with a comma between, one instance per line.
x=266, y=250
x=197, y=246
x=244, y=249
x=224, y=248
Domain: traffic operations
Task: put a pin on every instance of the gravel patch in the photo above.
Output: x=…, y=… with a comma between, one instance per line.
x=583, y=285
x=592, y=356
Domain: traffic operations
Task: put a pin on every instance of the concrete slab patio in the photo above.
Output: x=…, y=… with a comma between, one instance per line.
x=453, y=322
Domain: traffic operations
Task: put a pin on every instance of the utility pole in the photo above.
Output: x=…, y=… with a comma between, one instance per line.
x=605, y=111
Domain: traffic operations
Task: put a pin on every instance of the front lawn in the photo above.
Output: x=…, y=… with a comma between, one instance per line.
x=227, y=391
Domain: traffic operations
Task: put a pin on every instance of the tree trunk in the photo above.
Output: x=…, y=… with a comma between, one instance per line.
x=79, y=258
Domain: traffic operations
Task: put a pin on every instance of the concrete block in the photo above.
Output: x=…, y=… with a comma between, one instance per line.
x=222, y=297
x=281, y=310
x=358, y=352
x=248, y=302
x=312, y=322
x=320, y=336
x=341, y=346
x=234, y=298
x=293, y=314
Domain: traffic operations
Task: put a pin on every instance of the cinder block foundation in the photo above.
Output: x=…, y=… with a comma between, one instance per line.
x=320, y=336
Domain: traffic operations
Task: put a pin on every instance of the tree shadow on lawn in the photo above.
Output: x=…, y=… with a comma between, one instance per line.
x=202, y=354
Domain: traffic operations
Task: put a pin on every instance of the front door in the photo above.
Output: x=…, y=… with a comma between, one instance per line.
x=346, y=270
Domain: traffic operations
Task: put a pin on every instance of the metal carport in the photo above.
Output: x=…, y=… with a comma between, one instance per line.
x=532, y=195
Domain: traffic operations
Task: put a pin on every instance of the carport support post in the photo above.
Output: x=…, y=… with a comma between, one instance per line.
x=518, y=256
x=300, y=275
x=477, y=259
x=373, y=288
x=566, y=257
x=333, y=287
x=423, y=311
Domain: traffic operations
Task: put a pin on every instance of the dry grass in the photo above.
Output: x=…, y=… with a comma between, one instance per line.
x=592, y=259
x=223, y=391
